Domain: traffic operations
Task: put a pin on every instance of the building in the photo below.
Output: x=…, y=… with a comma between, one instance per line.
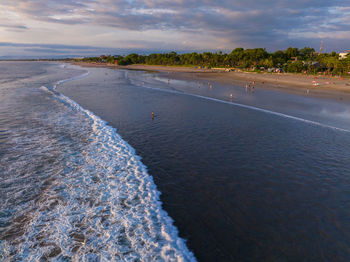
x=344, y=54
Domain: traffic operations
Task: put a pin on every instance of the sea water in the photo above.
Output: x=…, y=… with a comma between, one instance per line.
x=261, y=177
x=71, y=188
x=264, y=177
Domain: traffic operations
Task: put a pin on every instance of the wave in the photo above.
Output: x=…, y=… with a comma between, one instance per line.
x=71, y=79
x=103, y=204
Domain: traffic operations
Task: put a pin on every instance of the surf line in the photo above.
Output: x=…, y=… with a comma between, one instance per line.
x=168, y=230
x=71, y=79
x=251, y=108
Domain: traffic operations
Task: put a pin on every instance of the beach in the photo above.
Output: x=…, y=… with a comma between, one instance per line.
x=89, y=172
x=301, y=84
x=175, y=131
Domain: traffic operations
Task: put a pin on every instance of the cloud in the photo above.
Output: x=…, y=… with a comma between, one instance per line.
x=10, y=50
x=250, y=23
x=21, y=27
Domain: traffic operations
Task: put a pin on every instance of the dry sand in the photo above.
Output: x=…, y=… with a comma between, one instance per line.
x=328, y=87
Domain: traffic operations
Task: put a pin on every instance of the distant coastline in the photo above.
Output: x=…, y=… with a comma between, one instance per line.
x=333, y=87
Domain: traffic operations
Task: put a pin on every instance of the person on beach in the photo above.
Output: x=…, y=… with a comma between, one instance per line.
x=152, y=115
x=231, y=97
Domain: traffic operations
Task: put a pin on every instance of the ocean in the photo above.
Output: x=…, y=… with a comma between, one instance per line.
x=87, y=172
x=71, y=187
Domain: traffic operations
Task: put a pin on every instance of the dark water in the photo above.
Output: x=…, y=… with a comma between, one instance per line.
x=241, y=184
x=71, y=188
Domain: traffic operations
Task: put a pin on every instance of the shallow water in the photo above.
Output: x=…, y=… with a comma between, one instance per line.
x=265, y=178
x=71, y=188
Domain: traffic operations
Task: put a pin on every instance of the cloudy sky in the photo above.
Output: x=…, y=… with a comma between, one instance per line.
x=42, y=28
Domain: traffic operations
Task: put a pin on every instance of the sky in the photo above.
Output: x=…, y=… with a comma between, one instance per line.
x=60, y=28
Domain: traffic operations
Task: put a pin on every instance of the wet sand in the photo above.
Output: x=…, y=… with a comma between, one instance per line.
x=327, y=87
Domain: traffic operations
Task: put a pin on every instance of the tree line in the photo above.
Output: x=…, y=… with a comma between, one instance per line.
x=294, y=60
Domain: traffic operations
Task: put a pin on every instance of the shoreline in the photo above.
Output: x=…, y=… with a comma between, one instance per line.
x=329, y=87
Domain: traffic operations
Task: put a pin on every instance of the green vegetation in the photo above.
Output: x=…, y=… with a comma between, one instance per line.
x=293, y=60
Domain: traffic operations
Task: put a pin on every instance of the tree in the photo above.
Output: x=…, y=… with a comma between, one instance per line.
x=291, y=52
x=295, y=67
x=245, y=58
x=307, y=53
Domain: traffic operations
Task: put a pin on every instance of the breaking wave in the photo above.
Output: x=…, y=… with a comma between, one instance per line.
x=101, y=204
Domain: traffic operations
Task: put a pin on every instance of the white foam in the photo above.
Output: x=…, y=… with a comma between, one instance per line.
x=138, y=183
x=102, y=204
x=71, y=79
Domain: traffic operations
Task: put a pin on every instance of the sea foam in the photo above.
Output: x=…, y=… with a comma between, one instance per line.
x=102, y=205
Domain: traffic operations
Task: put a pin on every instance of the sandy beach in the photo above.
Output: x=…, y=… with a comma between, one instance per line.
x=308, y=85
